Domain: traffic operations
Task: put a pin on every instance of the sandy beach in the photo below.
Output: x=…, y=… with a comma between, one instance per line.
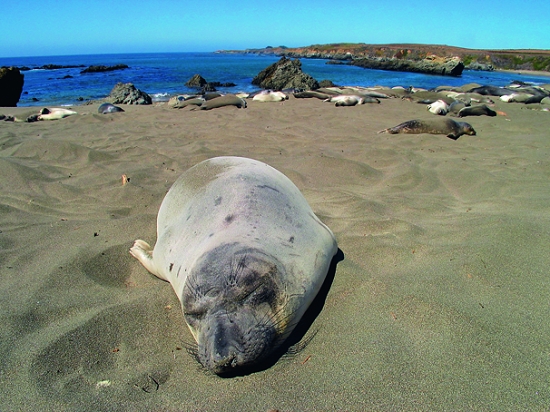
x=441, y=301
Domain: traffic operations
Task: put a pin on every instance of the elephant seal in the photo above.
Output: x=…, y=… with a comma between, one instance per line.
x=478, y=110
x=197, y=101
x=108, y=108
x=491, y=90
x=345, y=100
x=221, y=101
x=456, y=106
x=245, y=255
x=310, y=94
x=270, y=96
x=448, y=127
x=53, y=113
x=438, y=107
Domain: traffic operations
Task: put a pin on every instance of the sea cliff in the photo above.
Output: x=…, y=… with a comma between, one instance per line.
x=416, y=57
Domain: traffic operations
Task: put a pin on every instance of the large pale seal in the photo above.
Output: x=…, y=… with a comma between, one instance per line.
x=222, y=101
x=345, y=100
x=448, y=127
x=439, y=107
x=270, y=96
x=245, y=255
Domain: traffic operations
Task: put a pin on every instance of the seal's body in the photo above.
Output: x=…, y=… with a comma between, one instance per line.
x=245, y=255
x=270, y=96
x=109, y=108
x=439, y=107
x=222, y=101
x=448, y=127
x=478, y=110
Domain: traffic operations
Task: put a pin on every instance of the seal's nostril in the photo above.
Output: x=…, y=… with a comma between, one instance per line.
x=223, y=362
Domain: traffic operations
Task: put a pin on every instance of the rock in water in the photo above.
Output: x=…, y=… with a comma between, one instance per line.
x=196, y=81
x=286, y=73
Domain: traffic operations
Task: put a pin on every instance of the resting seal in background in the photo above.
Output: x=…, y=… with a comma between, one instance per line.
x=222, y=101
x=479, y=110
x=108, y=108
x=270, y=96
x=245, y=255
x=448, y=127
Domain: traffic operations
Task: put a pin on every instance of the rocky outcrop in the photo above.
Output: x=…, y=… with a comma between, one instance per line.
x=480, y=67
x=429, y=65
x=507, y=59
x=199, y=82
x=11, y=86
x=196, y=81
x=127, y=93
x=98, y=69
x=286, y=73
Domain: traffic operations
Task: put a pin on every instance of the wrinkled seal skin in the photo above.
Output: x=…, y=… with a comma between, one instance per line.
x=245, y=255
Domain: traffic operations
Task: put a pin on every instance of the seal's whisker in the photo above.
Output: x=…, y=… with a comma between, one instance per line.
x=194, y=287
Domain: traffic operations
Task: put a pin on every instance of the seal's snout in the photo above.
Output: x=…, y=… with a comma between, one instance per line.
x=222, y=349
x=223, y=362
x=230, y=343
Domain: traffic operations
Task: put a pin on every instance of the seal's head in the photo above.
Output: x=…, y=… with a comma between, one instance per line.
x=236, y=308
x=468, y=129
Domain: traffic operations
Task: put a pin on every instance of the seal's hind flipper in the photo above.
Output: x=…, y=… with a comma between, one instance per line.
x=143, y=252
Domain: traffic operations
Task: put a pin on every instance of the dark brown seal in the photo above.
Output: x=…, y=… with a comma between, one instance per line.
x=448, y=127
x=479, y=110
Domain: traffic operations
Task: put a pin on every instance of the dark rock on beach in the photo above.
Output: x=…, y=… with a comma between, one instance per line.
x=98, y=69
x=285, y=73
x=127, y=93
x=11, y=86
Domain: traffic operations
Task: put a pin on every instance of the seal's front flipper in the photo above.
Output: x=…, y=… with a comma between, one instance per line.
x=143, y=252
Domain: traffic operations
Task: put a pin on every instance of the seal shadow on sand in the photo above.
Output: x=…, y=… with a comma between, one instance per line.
x=299, y=338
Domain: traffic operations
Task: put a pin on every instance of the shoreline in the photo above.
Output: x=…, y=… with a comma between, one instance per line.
x=526, y=72
x=49, y=88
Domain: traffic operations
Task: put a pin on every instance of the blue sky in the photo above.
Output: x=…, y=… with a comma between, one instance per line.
x=42, y=28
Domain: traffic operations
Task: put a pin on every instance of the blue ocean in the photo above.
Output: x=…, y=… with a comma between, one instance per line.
x=162, y=75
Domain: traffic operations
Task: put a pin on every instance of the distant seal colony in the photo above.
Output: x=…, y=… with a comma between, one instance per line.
x=245, y=255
